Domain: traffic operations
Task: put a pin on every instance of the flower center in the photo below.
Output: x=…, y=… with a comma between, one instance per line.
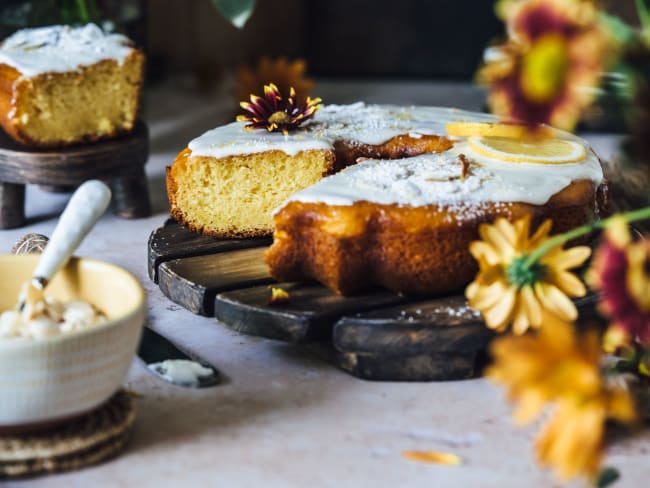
x=520, y=274
x=544, y=68
x=279, y=118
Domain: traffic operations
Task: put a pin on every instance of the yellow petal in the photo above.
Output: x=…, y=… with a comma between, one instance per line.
x=499, y=315
x=533, y=309
x=541, y=234
x=507, y=230
x=530, y=405
x=621, y=407
x=482, y=249
x=434, y=457
x=552, y=299
x=482, y=297
x=567, y=258
x=492, y=235
x=569, y=283
x=520, y=321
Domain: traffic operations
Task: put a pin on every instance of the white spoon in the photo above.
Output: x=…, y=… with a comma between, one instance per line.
x=85, y=207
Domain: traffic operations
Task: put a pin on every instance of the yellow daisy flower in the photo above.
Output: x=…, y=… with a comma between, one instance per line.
x=512, y=288
x=572, y=443
x=558, y=365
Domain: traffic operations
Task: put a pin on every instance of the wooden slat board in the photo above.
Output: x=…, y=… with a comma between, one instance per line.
x=193, y=282
x=173, y=241
x=309, y=316
x=378, y=335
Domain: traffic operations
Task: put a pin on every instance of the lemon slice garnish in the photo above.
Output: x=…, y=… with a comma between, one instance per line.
x=494, y=129
x=547, y=151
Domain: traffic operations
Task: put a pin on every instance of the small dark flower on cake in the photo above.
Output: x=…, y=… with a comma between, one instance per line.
x=621, y=271
x=284, y=73
x=278, y=296
x=555, y=53
x=275, y=113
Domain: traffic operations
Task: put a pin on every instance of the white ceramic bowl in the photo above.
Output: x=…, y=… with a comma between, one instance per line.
x=51, y=379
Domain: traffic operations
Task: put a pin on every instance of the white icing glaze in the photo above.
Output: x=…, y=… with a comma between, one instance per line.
x=421, y=180
x=61, y=48
x=366, y=124
x=436, y=179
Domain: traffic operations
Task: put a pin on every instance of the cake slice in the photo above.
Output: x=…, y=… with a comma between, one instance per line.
x=406, y=224
x=228, y=181
x=62, y=85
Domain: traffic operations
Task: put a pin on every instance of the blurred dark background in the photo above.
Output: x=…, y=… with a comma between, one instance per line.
x=394, y=39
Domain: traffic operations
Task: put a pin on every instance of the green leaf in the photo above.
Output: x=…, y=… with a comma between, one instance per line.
x=236, y=11
x=607, y=477
x=621, y=31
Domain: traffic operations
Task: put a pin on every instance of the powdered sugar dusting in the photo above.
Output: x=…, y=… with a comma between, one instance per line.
x=438, y=179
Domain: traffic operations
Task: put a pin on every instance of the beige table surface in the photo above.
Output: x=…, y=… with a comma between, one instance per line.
x=284, y=418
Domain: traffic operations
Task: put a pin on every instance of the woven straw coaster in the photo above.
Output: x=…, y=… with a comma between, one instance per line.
x=86, y=440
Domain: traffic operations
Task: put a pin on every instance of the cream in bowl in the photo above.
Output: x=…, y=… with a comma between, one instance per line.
x=63, y=367
x=49, y=317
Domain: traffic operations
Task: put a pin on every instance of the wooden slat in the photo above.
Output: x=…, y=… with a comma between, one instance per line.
x=105, y=159
x=432, y=366
x=173, y=241
x=194, y=282
x=308, y=316
x=439, y=325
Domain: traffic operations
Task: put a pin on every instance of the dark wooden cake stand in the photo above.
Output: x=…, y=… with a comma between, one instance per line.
x=377, y=335
x=119, y=162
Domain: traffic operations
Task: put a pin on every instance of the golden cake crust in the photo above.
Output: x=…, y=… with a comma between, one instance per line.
x=412, y=250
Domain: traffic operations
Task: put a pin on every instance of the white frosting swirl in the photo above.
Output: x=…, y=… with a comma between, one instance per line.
x=61, y=48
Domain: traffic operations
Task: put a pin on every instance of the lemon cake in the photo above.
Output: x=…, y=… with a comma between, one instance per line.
x=62, y=85
x=228, y=181
x=406, y=224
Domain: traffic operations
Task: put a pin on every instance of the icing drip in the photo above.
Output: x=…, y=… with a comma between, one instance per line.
x=61, y=48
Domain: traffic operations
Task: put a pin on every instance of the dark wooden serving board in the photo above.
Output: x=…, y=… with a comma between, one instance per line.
x=378, y=335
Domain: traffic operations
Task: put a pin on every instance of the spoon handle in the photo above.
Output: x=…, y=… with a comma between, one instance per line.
x=87, y=204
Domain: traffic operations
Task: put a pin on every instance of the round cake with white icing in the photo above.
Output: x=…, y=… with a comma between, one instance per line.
x=62, y=85
x=367, y=195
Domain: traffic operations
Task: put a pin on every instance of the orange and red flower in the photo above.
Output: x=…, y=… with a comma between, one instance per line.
x=621, y=271
x=554, y=57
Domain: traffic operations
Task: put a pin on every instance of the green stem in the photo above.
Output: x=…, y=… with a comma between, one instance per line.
x=82, y=8
x=644, y=16
x=536, y=255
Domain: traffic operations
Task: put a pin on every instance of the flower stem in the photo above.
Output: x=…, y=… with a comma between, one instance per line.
x=644, y=16
x=536, y=255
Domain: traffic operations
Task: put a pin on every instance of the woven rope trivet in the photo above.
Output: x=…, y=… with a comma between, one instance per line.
x=86, y=440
